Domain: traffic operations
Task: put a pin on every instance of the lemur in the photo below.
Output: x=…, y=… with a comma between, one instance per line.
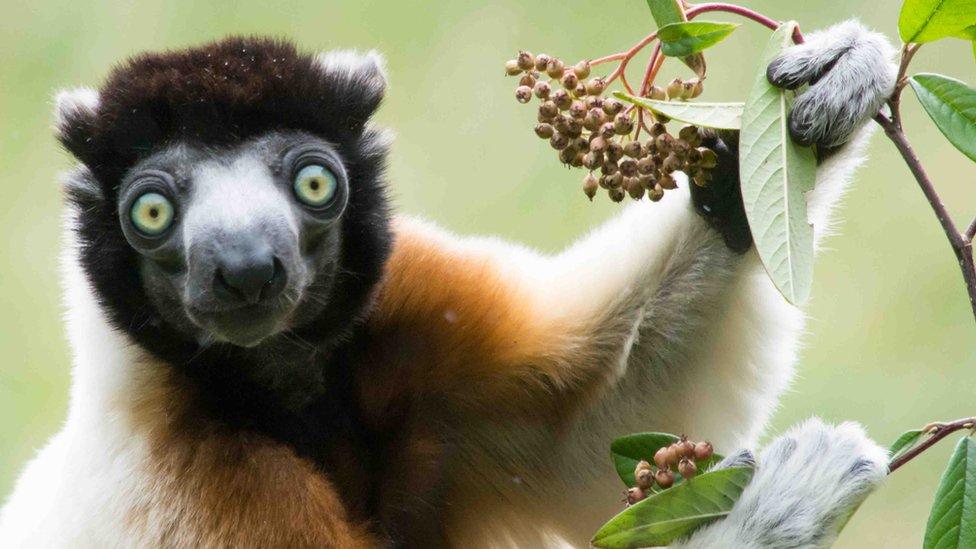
x=265, y=356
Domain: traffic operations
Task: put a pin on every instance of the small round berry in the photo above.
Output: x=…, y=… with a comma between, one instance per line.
x=658, y=128
x=615, y=151
x=628, y=167
x=525, y=61
x=633, y=149
x=664, y=143
x=647, y=181
x=523, y=94
x=657, y=93
x=512, y=68
x=593, y=120
x=579, y=92
x=592, y=160
x=656, y=194
x=582, y=69
x=703, y=450
x=634, y=494
x=562, y=99
x=527, y=80
x=567, y=155
x=675, y=88
x=666, y=181
x=688, y=132
x=662, y=458
x=641, y=466
x=623, y=124
x=612, y=106
x=542, y=61
x=569, y=81
x=687, y=468
x=644, y=477
x=701, y=178
x=559, y=141
x=548, y=110
x=664, y=477
x=577, y=109
x=555, y=68
x=595, y=86
x=609, y=168
x=646, y=165
x=544, y=131
x=594, y=102
x=633, y=187
x=590, y=186
x=607, y=130
x=617, y=194
x=708, y=158
x=542, y=89
x=671, y=164
x=598, y=144
x=574, y=127
x=615, y=181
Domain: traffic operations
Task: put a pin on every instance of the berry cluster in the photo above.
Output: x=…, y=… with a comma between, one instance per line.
x=683, y=457
x=602, y=135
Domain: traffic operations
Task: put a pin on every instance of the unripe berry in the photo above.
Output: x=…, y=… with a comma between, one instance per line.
x=574, y=127
x=598, y=144
x=628, y=167
x=703, y=450
x=633, y=149
x=604, y=183
x=527, y=80
x=666, y=181
x=592, y=160
x=646, y=165
x=567, y=155
x=645, y=477
x=656, y=194
x=512, y=68
x=542, y=89
x=688, y=132
x=544, y=131
x=701, y=178
x=590, y=186
x=593, y=119
x=569, y=81
x=675, y=88
x=523, y=94
x=548, y=110
x=615, y=151
x=617, y=194
x=595, y=86
x=579, y=92
x=634, y=494
x=662, y=458
x=615, y=181
x=641, y=465
x=708, y=158
x=623, y=124
x=525, y=61
x=693, y=88
x=607, y=130
x=687, y=468
x=664, y=143
x=634, y=189
x=658, y=129
x=582, y=69
x=671, y=163
x=609, y=168
x=658, y=93
x=594, y=102
x=664, y=477
x=577, y=109
x=611, y=106
x=647, y=181
x=542, y=61
x=559, y=141
x=555, y=68
x=562, y=99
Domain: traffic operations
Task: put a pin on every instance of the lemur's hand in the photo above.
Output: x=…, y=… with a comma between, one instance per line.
x=851, y=73
x=807, y=484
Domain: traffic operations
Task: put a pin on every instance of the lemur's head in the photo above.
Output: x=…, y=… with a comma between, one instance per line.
x=230, y=192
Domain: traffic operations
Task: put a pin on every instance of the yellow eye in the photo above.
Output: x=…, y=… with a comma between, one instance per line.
x=315, y=185
x=152, y=214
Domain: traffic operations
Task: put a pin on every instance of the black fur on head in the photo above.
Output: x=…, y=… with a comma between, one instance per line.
x=215, y=95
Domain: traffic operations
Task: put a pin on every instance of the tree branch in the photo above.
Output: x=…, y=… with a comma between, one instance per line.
x=937, y=431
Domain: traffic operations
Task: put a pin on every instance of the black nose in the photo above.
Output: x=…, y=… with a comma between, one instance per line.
x=248, y=275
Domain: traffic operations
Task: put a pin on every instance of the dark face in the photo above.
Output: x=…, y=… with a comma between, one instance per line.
x=237, y=243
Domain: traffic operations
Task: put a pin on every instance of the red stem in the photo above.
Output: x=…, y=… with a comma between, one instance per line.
x=938, y=431
x=743, y=12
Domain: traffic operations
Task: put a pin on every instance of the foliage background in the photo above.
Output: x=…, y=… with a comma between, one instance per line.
x=890, y=336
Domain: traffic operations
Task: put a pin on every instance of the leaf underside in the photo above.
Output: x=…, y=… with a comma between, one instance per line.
x=628, y=451
x=775, y=173
x=929, y=20
x=721, y=116
x=952, y=521
x=676, y=512
x=951, y=104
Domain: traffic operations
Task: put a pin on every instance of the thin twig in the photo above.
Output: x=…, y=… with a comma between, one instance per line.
x=971, y=231
x=937, y=432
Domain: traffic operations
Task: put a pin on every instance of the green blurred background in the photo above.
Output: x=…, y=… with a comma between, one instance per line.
x=890, y=341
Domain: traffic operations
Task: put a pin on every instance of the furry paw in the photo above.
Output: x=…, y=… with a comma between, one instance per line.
x=807, y=484
x=851, y=72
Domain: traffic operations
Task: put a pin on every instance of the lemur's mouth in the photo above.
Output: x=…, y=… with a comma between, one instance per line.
x=244, y=326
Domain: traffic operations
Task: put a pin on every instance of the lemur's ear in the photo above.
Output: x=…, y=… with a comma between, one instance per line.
x=360, y=75
x=74, y=117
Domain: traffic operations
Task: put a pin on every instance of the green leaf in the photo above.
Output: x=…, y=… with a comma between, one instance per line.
x=775, y=173
x=905, y=442
x=675, y=512
x=666, y=12
x=628, y=451
x=927, y=20
x=952, y=522
x=722, y=116
x=951, y=104
x=686, y=38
